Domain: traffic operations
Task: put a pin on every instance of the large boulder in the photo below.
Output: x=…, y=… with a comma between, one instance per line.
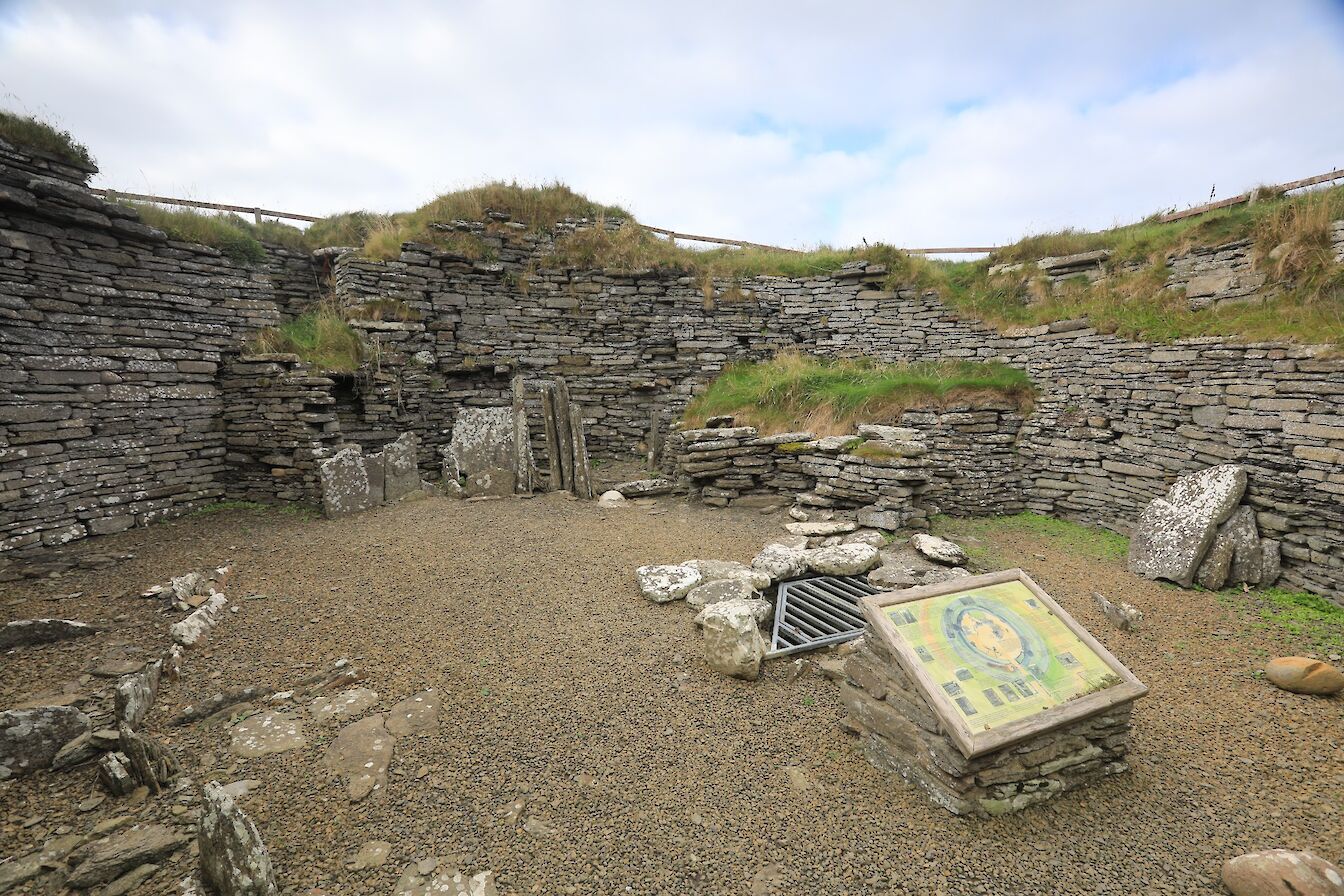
x=842, y=559
x=31, y=738
x=719, y=570
x=1303, y=675
x=1282, y=872
x=939, y=550
x=733, y=642
x=718, y=591
x=1175, y=532
x=666, y=582
x=234, y=861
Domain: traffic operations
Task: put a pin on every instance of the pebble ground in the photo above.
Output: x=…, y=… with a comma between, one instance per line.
x=629, y=767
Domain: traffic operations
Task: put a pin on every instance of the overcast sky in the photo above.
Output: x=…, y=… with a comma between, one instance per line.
x=786, y=122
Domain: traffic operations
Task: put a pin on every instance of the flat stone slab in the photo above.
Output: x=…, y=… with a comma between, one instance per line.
x=645, y=488
x=267, y=733
x=31, y=632
x=346, y=705
x=107, y=859
x=842, y=559
x=360, y=754
x=939, y=550
x=821, y=529
x=417, y=714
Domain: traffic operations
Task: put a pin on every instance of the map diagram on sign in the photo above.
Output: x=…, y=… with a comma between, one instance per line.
x=999, y=653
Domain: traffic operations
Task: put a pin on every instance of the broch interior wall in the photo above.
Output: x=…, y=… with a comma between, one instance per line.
x=124, y=399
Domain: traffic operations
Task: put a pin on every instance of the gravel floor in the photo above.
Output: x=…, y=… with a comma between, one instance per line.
x=643, y=772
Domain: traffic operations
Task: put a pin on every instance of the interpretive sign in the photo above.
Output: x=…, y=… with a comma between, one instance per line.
x=997, y=659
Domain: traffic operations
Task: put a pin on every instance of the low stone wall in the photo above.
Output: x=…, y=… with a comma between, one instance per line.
x=279, y=422
x=901, y=733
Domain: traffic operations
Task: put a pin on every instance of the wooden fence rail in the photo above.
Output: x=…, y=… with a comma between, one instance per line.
x=258, y=213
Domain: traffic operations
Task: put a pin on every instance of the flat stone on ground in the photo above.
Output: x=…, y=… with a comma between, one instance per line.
x=842, y=559
x=107, y=859
x=346, y=705
x=417, y=714
x=360, y=754
x=939, y=550
x=266, y=733
x=1282, y=872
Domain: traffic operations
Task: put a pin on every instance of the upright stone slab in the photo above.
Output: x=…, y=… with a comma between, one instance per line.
x=234, y=860
x=482, y=452
x=401, y=475
x=1174, y=533
x=345, y=483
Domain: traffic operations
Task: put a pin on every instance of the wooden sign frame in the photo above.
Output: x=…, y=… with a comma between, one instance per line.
x=971, y=743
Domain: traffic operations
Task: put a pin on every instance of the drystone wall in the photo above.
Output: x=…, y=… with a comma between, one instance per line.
x=1115, y=421
x=112, y=339
x=114, y=343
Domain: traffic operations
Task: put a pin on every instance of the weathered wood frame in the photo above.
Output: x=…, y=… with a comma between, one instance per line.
x=972, y=744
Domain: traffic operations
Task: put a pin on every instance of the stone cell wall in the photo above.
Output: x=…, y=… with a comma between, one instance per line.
x=111, y=341
x=279, y=422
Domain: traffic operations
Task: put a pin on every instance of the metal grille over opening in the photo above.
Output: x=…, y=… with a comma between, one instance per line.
x=817, y=611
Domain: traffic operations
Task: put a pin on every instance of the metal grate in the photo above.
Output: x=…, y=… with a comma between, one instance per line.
x=817, y=611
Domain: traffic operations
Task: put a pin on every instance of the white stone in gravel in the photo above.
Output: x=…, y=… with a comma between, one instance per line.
x=666, y=582
x=733, y=642
x=799, y=514
x=939, y=550
x=360, y=754
x=446, y=881
x=371, y=855
x=830, y=527
x=266, y=733
x=345, y=705
x=190, y=631
x=1282, y=872
x=611, y=498
x=780, y=562
x=893, y=576
x=842, y=559
x=717, y=591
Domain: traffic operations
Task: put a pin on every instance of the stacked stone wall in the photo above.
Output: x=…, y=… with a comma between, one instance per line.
x=279, y=422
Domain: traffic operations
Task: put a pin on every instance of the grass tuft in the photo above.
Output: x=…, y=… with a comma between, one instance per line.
x=830, y=397
x=1308, y=618
x=321, y=337
x=33, y=133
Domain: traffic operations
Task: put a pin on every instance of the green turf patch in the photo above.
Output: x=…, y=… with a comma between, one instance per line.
x=795, y=392
x=1087, y=541
x=1309, y=619
x=290, y=508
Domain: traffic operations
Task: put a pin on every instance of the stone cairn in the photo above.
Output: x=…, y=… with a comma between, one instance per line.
x=901, y=733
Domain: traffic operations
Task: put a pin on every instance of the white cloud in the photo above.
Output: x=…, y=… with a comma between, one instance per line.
x=787, y=122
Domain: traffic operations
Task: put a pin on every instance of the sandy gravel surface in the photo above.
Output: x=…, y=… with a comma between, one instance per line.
x=639, y=770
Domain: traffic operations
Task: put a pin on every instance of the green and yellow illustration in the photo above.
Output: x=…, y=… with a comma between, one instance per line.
x=999, y=654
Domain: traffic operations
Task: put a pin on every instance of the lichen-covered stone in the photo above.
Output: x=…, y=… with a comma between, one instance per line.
x=733, y=642
x=234, y=860
x=667, y=582
x=1282, y=872
x=1175, y=532
x=31, y=738
x=842, y=559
